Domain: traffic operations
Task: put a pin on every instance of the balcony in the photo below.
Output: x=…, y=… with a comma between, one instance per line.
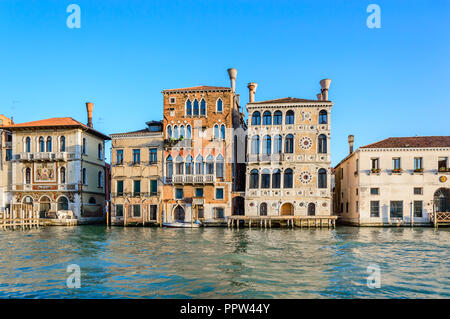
x=193, y=179
x=44, y=156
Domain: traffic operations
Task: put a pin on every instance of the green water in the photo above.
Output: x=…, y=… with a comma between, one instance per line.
x=222, y=263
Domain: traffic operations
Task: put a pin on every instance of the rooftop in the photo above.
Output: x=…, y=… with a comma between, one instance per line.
x=288, y=100
x=201, y=88
x=411, y=142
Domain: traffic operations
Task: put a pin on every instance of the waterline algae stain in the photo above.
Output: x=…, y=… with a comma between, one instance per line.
x=222, y=263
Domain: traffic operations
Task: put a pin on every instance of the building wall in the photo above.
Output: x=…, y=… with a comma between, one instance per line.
x=204, y=143
x=80, y=196
x=305, y=161
x=392, y=186
x=129, y=172
x=5, y=166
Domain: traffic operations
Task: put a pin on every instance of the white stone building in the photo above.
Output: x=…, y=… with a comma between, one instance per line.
x=397, y=181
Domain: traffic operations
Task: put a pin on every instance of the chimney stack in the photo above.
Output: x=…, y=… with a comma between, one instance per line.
x=325, y=85
x=232, y=73
x=351, y=139
x=319, y=97
x=89, y=108
x=251, y=91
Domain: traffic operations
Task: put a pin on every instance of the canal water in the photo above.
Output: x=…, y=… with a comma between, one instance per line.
x=223, y=263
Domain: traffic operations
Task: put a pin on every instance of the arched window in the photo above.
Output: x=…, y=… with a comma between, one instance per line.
x=222, y=131
x=311, y=209
x=188, y=107
x=41, y=144
x=62, y=144
x=92, y=201
x=189, y=132
x=289, y=144
x=189, y=165
x=63, y=203
x=276, y=178
x=256, y=118
x=84, y=176
x=195, y=107
x=216, y=131
x=49, y=144
x=84, y=146
x=28, y=176
x=277, y=118
x=175, y=132
x=255, y=144
x=210, y=165
x=182, y=132
x=199, y=166
x=169, y=131
x=322, y=178
x=99, y=151
x=219, y=166
x=179, y=165
x=263, y=209
x=322, y=141
x=254, y=178
x=290, y=117
x=28, y=145
x=169, y=167
x=62, y=176
x=288, y=178
x=265, y=178
x=267, y=118
x=323, y=117
x=219, y=105
x=28, y=200
x=267, y=145
x=99, y=179
x=203, y=107
x=277, y=144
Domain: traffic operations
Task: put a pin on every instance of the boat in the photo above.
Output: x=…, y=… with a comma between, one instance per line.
x=179, y=224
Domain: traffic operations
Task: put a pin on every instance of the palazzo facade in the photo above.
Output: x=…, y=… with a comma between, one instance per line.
x=5, y=163
x=288, y=171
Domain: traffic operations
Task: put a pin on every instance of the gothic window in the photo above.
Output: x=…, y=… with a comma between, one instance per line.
x=169, y=167
x=254, y=178
x=322, y=178
x=267, y=145
x=255, y=144
x=219, y=106
x=41, y=144
x=322, y=141
x=267, y=118
x=276, y=178
x=49, y=144
x=256, y=118
x=265, y=178
x=288, y=178
x=203, y=108
x=289, y=144
x=188, y=107
x=62, y=144
x=277, y=118
x=290, y=117
x=195, y=107
x=323, y=117
x=277, y=144
x=219, y=166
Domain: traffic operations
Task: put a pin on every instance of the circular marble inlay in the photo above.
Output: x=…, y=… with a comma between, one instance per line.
x=305, y=177
x=305, y=142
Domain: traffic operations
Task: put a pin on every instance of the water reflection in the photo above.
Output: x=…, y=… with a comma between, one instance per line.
x=223, y=263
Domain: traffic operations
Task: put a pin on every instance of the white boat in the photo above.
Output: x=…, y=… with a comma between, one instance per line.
x=182, y=225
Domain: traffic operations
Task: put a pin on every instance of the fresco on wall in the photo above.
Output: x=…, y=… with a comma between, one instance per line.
x=45, y=172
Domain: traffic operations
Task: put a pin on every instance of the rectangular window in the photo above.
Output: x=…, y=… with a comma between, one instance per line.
x=199, y=192
x=179, y=193
x=356, y=192
x=375, y=163
x=396, y=163
x=218, y=212
x=375, y=191
x=136, y=157
x=346, y=207
x=418, y=208
x=418, y=165
x=119, y=157
x=374, y=208
x=136, y=210
x=153, y=187
x=418, y=191
x=8, y=154
x=137, y=188
x=153, y=155
x=219, y=193
x=357, y=206
x=153, y=212
x=84, y=146
x=119, y=188
x=119, y=210
x=397, y=209
x=442, y=163
x=201, y=212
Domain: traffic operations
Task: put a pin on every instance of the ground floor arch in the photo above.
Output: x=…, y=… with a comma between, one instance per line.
x=238, y=206
x=179, y=213
x=311, y=209
x=287, y=209
x=442, y=200
x=44, y=206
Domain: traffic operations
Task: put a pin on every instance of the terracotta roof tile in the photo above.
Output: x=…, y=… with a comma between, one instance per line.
x=200, y=88
x=287, y=100
x=415, y=141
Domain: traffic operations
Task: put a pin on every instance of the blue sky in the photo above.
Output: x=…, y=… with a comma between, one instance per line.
x=392, y=81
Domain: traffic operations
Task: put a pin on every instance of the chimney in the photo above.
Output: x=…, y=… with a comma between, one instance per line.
x=319, y=97
x=351, y=139
x=251, y=91
x=89, y=108
x=325, y=85
x=232, y=73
